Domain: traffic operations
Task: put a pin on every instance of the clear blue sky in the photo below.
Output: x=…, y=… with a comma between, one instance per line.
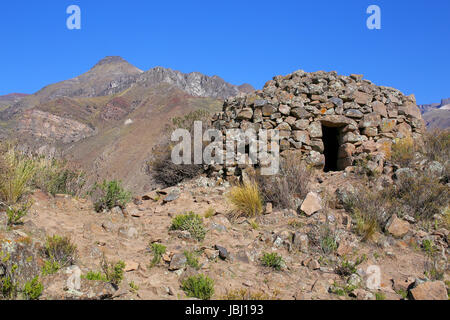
x=241, y=41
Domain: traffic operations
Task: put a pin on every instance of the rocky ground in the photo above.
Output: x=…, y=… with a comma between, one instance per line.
x=308, y=271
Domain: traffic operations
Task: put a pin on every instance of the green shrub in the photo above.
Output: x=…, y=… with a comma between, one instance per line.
x=60, y=250
x=15, y=213
x=95, y=276
x=33, y=289
x=158, y=250
x=113, y=271
x=246, y=199
x=199, y=286
x=133, y=287
x=428, y=246
x=272, y=260
x=50, y=267
x=109, y=194
x=190, y=222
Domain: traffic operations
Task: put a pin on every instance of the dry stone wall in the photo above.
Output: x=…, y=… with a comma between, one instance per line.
x=348, y=115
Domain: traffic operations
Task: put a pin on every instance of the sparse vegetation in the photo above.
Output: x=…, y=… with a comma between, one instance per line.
x=246, y=199
x=192, y=259
x=296, y=224
x=437, y=148
x=199, y=286
x=328, y=239
x=368, y=208
x=60, y=250
x=272, y=260
x=347, y=268
x=290, y=183
x=21, y=172
x=133, y=287
x=58, y=177
x=158, y=250
x=190, y=222
x=422, y=195
x=109, y=194
x=246, y=294
x=254, y=224
x=380, y=296
x=341, y=290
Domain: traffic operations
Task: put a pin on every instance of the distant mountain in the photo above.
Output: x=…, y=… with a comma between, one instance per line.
x=109, y=118
x=437, y=115
x=11, y=98
x=113, y=75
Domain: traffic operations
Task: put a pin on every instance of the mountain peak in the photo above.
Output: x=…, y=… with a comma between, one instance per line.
x=111, y=60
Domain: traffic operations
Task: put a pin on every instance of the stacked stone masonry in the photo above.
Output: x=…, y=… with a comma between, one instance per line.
x=312, y=109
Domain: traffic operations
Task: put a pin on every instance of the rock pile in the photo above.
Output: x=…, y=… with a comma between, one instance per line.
x=329, y=120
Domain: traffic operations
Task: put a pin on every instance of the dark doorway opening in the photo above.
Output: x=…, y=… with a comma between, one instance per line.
x=331, y=144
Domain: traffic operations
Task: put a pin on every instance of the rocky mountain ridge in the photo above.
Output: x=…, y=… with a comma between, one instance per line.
x=437, y=115
x=444, y=104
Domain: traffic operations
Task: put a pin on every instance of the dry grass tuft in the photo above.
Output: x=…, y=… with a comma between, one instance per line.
x=246, y=198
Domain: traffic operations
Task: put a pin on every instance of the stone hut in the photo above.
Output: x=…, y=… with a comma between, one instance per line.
x=329, y=120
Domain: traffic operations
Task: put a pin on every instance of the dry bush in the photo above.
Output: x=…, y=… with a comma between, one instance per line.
x=168, y=174
x=290, y=183
x=246, y=199
x=60, y=250
x=420, y=195
x=403, y=152
x=58, y=176
x=436, y=147
x=161, y=167
x=371, y=209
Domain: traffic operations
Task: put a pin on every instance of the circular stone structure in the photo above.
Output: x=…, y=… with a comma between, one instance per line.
x=328, y=120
